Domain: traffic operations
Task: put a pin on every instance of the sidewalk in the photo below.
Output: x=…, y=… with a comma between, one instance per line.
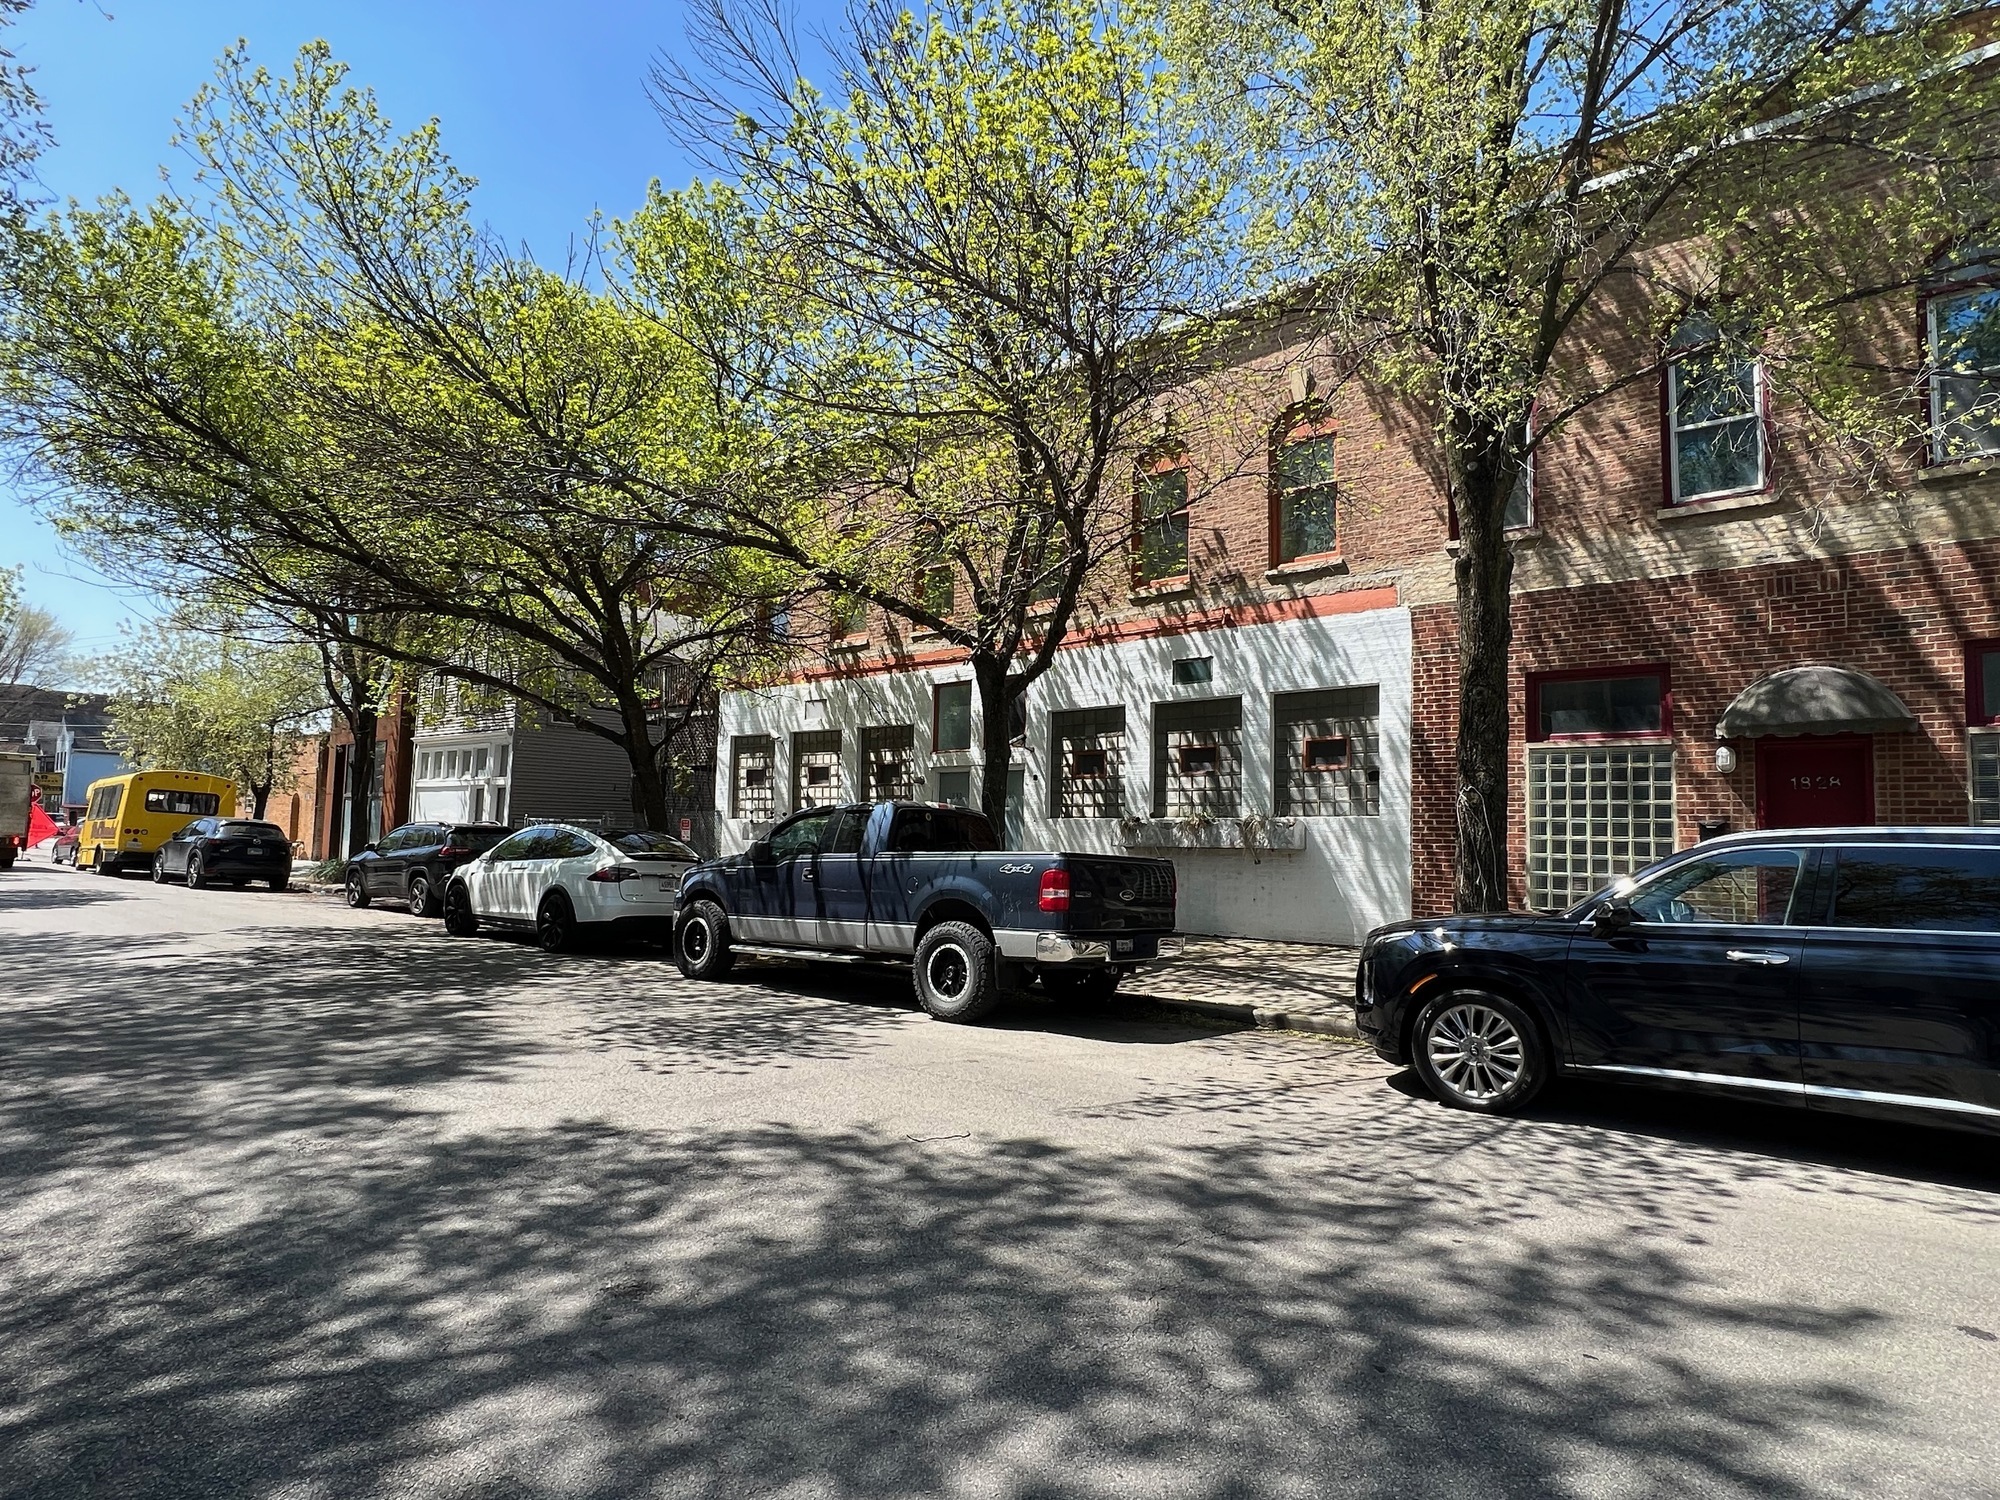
x=1285, y=986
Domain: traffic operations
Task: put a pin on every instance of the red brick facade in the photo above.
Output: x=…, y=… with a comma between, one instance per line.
x=1902, y=616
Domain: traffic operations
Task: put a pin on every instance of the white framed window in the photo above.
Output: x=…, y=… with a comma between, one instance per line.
x=1595, y=812
x=1982, y=753
x=1521, y=498
x=1962, y=318
x=1715, y=417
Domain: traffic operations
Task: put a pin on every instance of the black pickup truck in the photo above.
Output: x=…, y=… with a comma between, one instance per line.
x=910, y=881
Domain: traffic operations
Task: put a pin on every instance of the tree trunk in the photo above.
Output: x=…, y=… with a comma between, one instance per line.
x=996, y=746
x=259, y=796
x=360, y=778
x=649, y=782
x=1484, y=573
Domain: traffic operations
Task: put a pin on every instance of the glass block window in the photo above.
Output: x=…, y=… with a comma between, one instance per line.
x=1715, y=408
x=1328, y=753
x=1594, y=813
x=1303, y=495
x=1198, y=759
x=888, y=754
x=816, y=769
x=1088, y=763
x=751, y=792
x=1983, y=754
x=1964, y=332
x=1161, y=523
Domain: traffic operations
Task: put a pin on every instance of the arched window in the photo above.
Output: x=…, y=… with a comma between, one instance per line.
x=1962, y=318
x=1715, y=416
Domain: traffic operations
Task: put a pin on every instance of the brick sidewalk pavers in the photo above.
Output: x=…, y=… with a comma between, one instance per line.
x=1293, y=986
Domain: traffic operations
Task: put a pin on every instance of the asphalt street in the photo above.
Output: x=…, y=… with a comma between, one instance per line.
x=300, y=1202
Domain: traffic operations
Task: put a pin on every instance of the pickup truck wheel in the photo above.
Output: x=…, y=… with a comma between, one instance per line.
x=1082, y=984
x=1479, y=1051
x=955, y=974
x=701, y=947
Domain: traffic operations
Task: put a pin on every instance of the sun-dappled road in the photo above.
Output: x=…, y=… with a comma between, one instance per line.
x=303, y=1202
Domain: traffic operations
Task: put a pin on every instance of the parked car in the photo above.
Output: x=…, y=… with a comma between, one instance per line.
x=1852, y=969
x=236, y=850
x=414, y=863
x=931, y=886
x=63, y=850
x=568, y=885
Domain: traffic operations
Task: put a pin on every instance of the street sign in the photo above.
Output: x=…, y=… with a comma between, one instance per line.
x=49, y=781
x=687, y=829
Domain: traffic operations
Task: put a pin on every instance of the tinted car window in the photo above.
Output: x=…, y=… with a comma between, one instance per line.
x=1736, y=886
x=519, y=845
x=566, y=843
x=235, y=830
x=800, y=836
x=645, y=844
x=843, y=835
x=478, y=840
x=940, y=830
x=1945, y=890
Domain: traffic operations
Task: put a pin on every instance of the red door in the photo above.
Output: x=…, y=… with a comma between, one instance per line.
x=1816, y=781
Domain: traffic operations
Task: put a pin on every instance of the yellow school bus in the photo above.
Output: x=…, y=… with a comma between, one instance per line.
x=127, y=818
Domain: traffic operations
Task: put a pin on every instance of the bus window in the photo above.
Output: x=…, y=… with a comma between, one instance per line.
x=183, y=804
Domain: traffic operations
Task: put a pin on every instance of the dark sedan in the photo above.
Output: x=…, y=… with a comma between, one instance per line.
x=414, y=863
x=1848, y=969
x=235, y=850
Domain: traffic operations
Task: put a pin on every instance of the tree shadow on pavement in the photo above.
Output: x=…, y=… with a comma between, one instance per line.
x=585, y=1311
x=243, y=1259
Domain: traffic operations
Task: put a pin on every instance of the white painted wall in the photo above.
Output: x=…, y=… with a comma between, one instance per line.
x=1352, y=874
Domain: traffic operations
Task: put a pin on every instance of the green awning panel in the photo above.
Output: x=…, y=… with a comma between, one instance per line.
x=1814, y=700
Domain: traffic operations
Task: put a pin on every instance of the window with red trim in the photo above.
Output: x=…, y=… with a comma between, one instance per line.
x=1982, y=682
x=1617, y=704
x=1303, y=494
x=1160, y=522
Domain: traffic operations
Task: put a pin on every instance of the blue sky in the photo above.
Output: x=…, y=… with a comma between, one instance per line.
x=542, y=100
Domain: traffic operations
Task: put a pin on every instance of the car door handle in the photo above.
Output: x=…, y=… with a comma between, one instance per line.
x=806, y=873
x=1758, y=956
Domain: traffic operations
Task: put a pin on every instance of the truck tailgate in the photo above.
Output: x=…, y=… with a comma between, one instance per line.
x=1108, y=893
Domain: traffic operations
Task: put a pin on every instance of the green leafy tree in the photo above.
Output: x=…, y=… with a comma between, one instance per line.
x=308, y=386
x=1509, y=209
x=958, y=287
x=228, y=706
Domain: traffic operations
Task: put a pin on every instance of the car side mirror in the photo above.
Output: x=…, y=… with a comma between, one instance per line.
x=370, y=849
x=1613, y=917
x=760, y=852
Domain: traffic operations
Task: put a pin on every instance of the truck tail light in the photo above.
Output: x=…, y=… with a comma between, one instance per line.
x=1055, y=890
x=615, y=874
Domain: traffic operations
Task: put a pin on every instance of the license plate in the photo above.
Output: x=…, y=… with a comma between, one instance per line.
x=668, y=885
x=1121, y=945
x=256, y=848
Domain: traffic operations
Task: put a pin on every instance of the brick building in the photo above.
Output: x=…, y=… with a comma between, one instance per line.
x=1716, y=626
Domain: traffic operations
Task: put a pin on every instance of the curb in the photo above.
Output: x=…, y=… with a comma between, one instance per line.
x=1264, y=1020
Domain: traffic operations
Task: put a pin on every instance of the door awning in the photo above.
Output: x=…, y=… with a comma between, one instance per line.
x=1814, y=700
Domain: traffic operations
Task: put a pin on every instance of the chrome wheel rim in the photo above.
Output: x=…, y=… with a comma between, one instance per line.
x=694, y=941
x=420, y=894
x=194, y=872
x=1475, y=1051
x=948, y=972
x=353, y=893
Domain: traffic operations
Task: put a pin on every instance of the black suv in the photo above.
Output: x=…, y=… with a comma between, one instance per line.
x=414, y=863
x=1855, y=969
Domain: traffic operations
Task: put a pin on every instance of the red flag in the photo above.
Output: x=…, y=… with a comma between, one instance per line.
x=40, y=825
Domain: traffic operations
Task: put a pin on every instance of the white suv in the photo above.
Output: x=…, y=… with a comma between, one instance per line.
x=565, y=884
